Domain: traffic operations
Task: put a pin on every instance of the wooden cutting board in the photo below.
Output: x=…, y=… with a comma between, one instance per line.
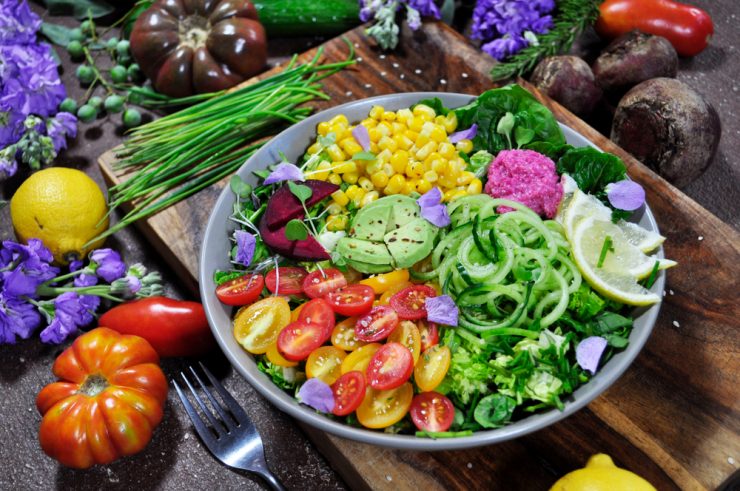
x=673, y=416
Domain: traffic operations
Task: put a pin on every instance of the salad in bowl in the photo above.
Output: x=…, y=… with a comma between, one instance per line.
x=432, y=270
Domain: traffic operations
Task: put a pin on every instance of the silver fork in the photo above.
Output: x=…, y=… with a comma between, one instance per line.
x=232, y=438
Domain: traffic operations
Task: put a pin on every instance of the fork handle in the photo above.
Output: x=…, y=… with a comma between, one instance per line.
x=271, y=480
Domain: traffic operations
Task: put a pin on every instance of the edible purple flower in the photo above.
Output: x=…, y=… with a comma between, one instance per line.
x=127, y=287
x=69, y=314
x=625, y=195
x=468, y=134
x=110, y=267
x=362, y=136
x=589, y=351
x=18, y=24
x=245, y=245
x=284, y=172
x=432, y=209
x=317, y=394
x=504, y=47
x=17, y=318
x=442, y=310
x=90, y=302
x=61, y=127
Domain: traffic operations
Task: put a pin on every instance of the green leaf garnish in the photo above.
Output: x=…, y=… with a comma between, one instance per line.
x=364, y=156
x=239, y=187
x=295, y=230
x=605, y=249
x=300, y=191
x=328, y=140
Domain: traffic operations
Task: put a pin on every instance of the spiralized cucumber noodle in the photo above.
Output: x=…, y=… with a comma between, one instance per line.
x=509, y=273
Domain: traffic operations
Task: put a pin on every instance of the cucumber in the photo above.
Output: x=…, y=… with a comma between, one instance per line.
x=291, y=18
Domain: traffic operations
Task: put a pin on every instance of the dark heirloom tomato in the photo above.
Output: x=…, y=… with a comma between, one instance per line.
x=192, y=46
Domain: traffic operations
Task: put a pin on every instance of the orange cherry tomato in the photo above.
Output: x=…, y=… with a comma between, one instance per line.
x=431, y=411
x=360, y=358
x=349, y=390
x=257, y=326
x=296, y=312
x=351, y=300
x=343, y=335
x=274, y=357
x=429, y=334
x=320, y=282
x=298, y=339
x=407, y=333
x=285, y=280
x=325, y=363
x=241, y=291
x=380, y=283
x=410, y=302
x=109, y=398
x=383, y=408
x=377, y=324
x=385, y=298
x=390, y=367
x=318, y=311
x=432, y=367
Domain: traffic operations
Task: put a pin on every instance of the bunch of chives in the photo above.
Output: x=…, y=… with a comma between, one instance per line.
x=176, y=156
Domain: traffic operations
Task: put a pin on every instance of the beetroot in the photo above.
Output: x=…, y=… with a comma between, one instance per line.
x=283, y=206
x=301, y=250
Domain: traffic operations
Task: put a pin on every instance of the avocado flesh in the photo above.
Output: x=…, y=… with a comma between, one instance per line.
x=411, y=243
x=365, y=251
x=370, y=268
x=371, y=222
x=405, y=209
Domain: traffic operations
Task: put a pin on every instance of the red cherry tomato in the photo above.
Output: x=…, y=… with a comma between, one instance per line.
x=377, y=324
x=318, y=311
x=409, y=302
x=286, y=280
x=429, y=334
x=241, y=291
x=349, y=391
x=352, y=300
x=298, y=339
x=390, y=366
x=431, y=411
x=319, y=283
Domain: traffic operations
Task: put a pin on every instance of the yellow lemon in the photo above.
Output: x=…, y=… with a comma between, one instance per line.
x=63, y=208
x=600, y=474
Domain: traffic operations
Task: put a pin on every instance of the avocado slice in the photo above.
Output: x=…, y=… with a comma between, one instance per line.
x=371, y=222
x=405, y=209
x=370, y=268
x=365, y=251
x=411, y=243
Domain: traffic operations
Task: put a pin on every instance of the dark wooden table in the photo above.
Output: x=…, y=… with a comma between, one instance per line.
x=175, y=459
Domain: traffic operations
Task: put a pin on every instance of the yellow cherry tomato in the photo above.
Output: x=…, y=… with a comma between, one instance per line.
x=360, y=358
x=380, y=283
x=383, y=408
x=386, y=296
x=407, y=333
x=325, y=363
x=274, y=357
x=257, y=326
x=296, y=312
x=432, y=367
x=343, y=335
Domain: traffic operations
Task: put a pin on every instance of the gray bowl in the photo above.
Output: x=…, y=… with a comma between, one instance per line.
x=214, y=255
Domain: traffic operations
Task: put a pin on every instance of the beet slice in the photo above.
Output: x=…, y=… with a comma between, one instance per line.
x=300, y=250
x=283, y=206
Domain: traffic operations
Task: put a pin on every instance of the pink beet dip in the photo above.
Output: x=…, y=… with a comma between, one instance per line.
x=527, y=177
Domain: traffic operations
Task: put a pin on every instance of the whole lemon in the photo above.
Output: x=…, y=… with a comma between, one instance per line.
x=600, y=474
x=63, y=208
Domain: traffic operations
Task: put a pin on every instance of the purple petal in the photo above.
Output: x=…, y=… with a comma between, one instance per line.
x=110, y=267
x=284, y=172
x=589, y=351
x=625, y=195
x=436, y=215
x=468, y=134
x=317, y=394
x=433, y=197
x=245, y=245
x=362, y=136
x=442, y=310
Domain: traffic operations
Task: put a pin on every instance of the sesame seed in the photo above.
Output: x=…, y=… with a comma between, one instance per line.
x=357, y=45
x=359, y=59
x=470, y=465
x=443, y=81
x=382, y=74
x=382, y=57
x=367, y=86
x=348, y=93
x=396, y=65
x=675, y=323
x=417, y=71
x=730, y=461
x=701, y=237
x=388, y=478
x=664, y=293
x=402, y=76
x=464, y=75
x=670, y=291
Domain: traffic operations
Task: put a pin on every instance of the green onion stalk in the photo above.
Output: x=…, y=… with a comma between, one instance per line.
x=176, y=156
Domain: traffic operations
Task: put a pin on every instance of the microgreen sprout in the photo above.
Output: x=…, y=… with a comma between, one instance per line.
x=605, y=249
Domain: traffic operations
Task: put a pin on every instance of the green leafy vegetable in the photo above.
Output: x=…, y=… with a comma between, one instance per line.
x=364, y=156
x=606, y=248
x=478, y=162
x=592, y=169
x=295, y=230
x=436, y=104
x=239, y=187
x=553, y=150
x=300, y=191
x=283, y=377
x=57, y=33
x=221, y=277
x=494, y=411
x=79, y=8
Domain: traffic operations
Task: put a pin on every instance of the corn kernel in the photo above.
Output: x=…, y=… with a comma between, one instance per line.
x=422, y=140
x=366, y=184
x=465, y=177
x=426, y=150
x=395, y=184
x=412, y=135
x=389, y=116
x=377, y=112
x=450, y=123
x=374, y=148
x=408, y=187
x=379, y=179
x=315, y=148
x=422, y=186
x=385, y=128
x=446, y=150
x=369, y=123
x=414, y=169
x=339, y=119
x=422, y=110
x=399, y=160
x=465, y=146
x=360, y=196
x=430, y=176
x=352, y=191
x=374, y=167
x=375, y=134
x=398, y=128
x=456, y=193
x=335, y=153
x=336, y=222
x=385, y=155
x=475, y=186
x=335, y=179
x=338, y=130
x=350, y=177
x=322, y=171
x=369, y=197
x=387, y=143
x=340, y=197
x=439, y=119
x=323, y=128
x=334, y=208
x=402, y=141
x=345, y=167
x=416, y=124
x=388, y=170
x=427, y=127
x=404, y=115
x=440, y=166
x=438, y=134
x=431, y=158
x=350, y=146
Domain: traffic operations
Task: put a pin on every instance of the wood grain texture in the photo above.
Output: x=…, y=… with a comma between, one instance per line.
x=673, y=416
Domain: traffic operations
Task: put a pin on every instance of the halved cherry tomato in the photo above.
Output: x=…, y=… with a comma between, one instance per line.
x=352, y=300
x=383, y=408
x=349, y=391
x=296, y=312
x=286, y=280
x=324, y=364
x=386, y=296
x=409, y=302
x=429, y=334
x=274, y=357
x=257, y=326
x=431, y=411
x=343, y=335
x=241, y=291
x=360, y=358
x=432, y=367
x=382, y=282
x=298, y=339
x=320, y=282
x=377, y=324
x=407, y=333
x=318, y=311
x=390, y=366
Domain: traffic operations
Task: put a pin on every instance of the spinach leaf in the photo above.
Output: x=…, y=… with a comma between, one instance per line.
x=592, y=169
x=552, y=150
x=494, y=411
x=221, y=277
x=436, y=104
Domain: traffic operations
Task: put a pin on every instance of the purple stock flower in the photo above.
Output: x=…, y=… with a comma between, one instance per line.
x=284, y=172
x=503, y=47
x=8, y=167
x=442, y=310
x=90, y=302
x=245, y=244
x=17, y=318
x=110, y=267
x=625, y=195
x=69, y=313
x=317, y=394
x=31, y=80
x=432, y=209
x=31, y=267
x=502, y=24
x=18, y=24
x=468, y=134
x=61, y=127
x=361, y=136
x=589, y=351
x=427, y=8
